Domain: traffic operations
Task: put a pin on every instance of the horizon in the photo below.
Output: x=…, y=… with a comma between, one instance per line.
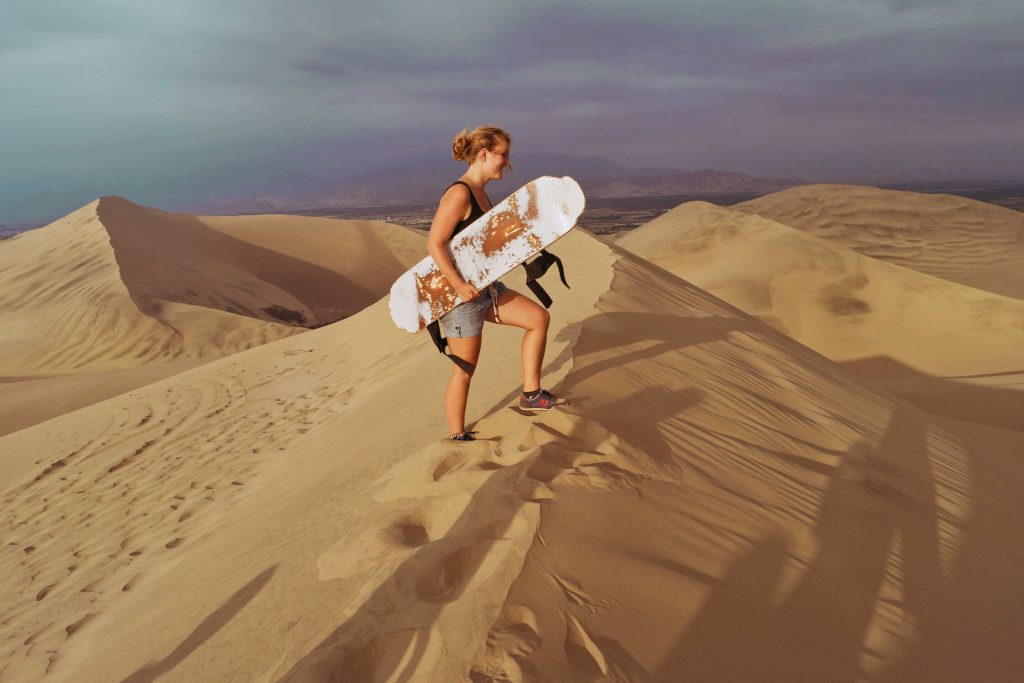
x=172, y=107
x=640, y=205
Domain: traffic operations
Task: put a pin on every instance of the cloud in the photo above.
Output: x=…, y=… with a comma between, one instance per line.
x=166, y=101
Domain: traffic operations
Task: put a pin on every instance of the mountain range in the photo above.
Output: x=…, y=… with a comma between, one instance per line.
x=422, y=182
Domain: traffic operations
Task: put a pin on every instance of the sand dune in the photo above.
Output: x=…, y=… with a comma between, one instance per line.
x=977, y=244
x=717, y=502
x=949, y=348
x=115, y=286
x=290, y=269
x=64, y=307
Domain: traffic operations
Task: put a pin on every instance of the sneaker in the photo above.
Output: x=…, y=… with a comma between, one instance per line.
x=545, y=400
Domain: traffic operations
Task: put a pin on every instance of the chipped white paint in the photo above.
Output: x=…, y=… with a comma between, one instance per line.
x=528, y=220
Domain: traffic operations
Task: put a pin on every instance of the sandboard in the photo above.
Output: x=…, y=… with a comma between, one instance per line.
x=517, y=229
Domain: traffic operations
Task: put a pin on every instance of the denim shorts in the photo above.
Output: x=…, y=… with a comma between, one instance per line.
x=467, y=320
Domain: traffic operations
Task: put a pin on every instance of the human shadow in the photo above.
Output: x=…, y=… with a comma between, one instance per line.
x=974, y=633
x=205, y=630
x=994, y=406
x=879, y=507
x=604, y=346
x=604, y=332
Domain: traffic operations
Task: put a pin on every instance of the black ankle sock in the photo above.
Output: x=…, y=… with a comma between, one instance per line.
x=530, y=395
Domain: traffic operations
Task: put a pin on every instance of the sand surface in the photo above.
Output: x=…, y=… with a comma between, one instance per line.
x=28, y=401
x=954, y=238
x=716, y=502
x=116, y=295
x=952, y=349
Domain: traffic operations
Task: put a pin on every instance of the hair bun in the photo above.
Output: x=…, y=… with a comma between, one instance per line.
x=461, y=145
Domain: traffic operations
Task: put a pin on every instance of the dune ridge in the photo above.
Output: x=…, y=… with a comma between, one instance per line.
x=950, y=348
x=64, y=307
x=958, y=239
x=115, y=287
x=712, y=488
x=287, y=269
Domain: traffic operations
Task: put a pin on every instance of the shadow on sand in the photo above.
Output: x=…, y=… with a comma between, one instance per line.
x=205, y=630
x=388, y=636
x=879, y=520
x=986, y=405
x=236, y=267
x=655, y=334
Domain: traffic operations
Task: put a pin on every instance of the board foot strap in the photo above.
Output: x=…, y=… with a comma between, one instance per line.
x=536, y=268
x=441, y=343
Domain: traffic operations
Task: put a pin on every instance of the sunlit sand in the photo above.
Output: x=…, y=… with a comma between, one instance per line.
x=757, y=477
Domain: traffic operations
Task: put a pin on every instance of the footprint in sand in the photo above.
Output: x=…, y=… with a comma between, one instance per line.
x=582, y=652
x=450, y=462
x=513, y=637
x=71, y=629
x=442, y=581
x=481, y=454
x=36, y=635
x=516, y=631
x=409, y=531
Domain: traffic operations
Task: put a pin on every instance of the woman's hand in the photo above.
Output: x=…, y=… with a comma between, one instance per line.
x=454, y=204
x=466, y=291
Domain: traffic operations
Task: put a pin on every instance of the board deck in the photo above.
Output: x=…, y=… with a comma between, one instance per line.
x=515, y=230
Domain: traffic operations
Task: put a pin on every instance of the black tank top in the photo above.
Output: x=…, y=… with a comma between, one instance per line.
x=474, y=212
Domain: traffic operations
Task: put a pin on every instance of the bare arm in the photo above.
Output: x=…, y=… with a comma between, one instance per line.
x=450, y=211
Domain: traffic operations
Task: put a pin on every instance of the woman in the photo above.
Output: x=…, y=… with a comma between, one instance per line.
x=486, y=152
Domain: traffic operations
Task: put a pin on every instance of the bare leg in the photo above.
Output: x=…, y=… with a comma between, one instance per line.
x=517, y=310
x=456, y=392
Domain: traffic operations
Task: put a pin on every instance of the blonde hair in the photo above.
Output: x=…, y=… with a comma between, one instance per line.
x=467, y=145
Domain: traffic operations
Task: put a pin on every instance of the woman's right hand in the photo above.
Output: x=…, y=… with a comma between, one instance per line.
x=466, y=291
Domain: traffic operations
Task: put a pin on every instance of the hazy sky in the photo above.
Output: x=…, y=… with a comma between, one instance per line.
x=172, y=102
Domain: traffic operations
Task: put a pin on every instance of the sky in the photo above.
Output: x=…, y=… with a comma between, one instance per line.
x=171, y=103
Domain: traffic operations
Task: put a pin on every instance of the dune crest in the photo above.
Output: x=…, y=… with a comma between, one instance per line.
x=64, y=307
x=285, y=269
x=115, y=286
x=952, y=349
x=958, y=239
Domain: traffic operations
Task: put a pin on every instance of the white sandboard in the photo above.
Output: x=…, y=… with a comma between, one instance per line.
x=515, y=230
